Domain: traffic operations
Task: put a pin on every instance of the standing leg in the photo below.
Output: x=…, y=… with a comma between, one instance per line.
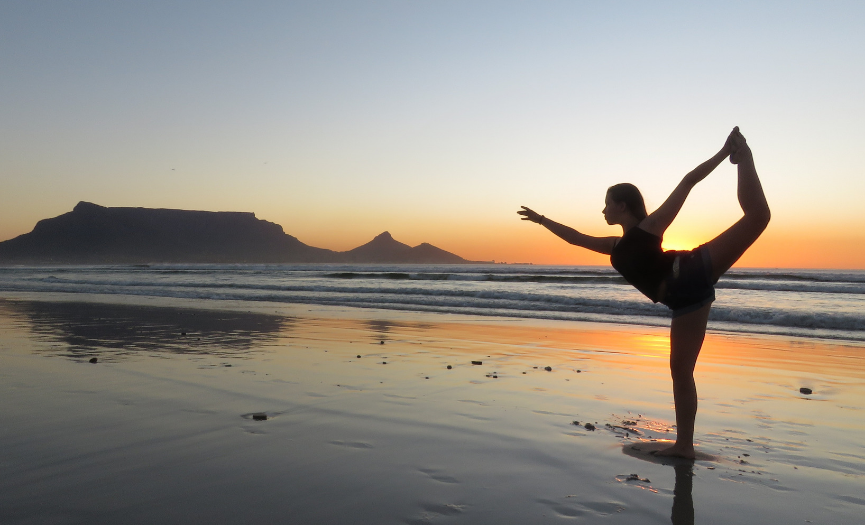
x=686, y=339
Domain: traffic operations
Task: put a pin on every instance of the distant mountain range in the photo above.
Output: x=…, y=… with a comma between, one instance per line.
x=93, y=234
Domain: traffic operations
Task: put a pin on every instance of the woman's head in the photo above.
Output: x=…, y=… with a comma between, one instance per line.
x=627, y=198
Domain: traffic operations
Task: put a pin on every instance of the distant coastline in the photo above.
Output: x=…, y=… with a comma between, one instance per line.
x=93, y=234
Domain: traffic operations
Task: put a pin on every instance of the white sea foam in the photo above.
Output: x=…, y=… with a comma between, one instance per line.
x=804, y=303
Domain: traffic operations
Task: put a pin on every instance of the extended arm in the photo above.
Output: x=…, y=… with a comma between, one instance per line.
x=659, y=220
x=596, y=244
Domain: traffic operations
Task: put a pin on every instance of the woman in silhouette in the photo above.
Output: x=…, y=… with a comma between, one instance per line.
x=682, y=280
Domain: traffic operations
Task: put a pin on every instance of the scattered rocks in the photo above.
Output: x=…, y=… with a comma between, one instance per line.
x=93, y=359
x=259, y=416
x=477, y=362
x=805, y=390
x=576, y=423
x=548, y=368
x=635, y=477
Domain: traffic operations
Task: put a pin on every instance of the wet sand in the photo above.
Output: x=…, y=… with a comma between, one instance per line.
x=167, y=427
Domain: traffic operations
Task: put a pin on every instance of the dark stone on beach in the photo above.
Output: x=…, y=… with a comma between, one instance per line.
x=381, y=342
x=427, y=377
x=589, y=426
x=449, y=367
x=259, y=416
x=805, y=390
x=576, y=423
x=384, y=362
x=477, y=362
x=358, y=357
x=182, y=333
x=548, y=368
x=93, y=359
x=495, y=377
x=579, y=371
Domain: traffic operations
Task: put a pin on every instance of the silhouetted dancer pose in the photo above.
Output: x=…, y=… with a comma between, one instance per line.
x=682, y=280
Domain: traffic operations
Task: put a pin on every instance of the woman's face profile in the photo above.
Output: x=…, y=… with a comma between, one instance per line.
x=613, y=210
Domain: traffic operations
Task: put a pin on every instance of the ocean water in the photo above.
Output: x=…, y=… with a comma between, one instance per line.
x=826, y=304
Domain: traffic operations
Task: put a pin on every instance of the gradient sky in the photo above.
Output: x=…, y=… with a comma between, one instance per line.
x=436, y=120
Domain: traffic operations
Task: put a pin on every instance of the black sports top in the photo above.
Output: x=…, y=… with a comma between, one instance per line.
x=641, y=261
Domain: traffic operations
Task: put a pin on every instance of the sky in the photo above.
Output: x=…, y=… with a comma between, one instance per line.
x=437, y=120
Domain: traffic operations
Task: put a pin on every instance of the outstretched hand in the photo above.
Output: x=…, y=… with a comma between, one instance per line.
x=529, y=215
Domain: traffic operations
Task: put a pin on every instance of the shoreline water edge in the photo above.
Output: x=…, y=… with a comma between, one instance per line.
x=828, y=304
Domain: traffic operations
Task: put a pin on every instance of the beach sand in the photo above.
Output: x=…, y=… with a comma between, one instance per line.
x=169, y=428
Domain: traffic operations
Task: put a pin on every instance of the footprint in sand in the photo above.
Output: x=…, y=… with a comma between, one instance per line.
x=433, y=510
x=351, y=444
x=600, y=508
x=562, y=509
x=441, y=478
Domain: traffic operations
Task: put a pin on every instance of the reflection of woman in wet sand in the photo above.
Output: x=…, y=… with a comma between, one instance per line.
x=683, y=281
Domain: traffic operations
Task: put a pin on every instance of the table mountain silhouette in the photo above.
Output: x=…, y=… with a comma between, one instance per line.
x=93, y=234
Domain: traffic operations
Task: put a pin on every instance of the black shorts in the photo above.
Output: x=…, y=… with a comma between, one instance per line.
x=689, y=283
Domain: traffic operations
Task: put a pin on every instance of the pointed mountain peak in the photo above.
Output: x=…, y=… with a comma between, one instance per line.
x=385, y=236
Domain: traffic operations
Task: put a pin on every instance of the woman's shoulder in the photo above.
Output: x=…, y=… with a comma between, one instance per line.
x=641, y=232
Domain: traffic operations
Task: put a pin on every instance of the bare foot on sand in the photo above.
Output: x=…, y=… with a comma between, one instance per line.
x=678, y=451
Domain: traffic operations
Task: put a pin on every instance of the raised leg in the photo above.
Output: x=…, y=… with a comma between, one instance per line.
x=686, y=339
x=728, y=247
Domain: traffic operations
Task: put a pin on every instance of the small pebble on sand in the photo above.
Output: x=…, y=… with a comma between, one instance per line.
x=358, y=357
x=259, y=416
x=93, y=359
x=589, y=426
x=477, y=362
x=548, y=368
x=381, y=342
x=805, y=390
x=449, y=367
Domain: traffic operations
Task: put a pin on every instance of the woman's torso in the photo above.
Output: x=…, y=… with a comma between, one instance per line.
x=639, y=258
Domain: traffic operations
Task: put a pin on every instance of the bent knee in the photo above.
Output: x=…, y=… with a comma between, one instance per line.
x=682, y=371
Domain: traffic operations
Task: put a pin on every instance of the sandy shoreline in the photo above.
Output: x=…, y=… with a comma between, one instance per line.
x=160, y=428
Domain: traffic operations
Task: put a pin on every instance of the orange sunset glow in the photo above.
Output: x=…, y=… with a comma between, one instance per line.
x=436, y=123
